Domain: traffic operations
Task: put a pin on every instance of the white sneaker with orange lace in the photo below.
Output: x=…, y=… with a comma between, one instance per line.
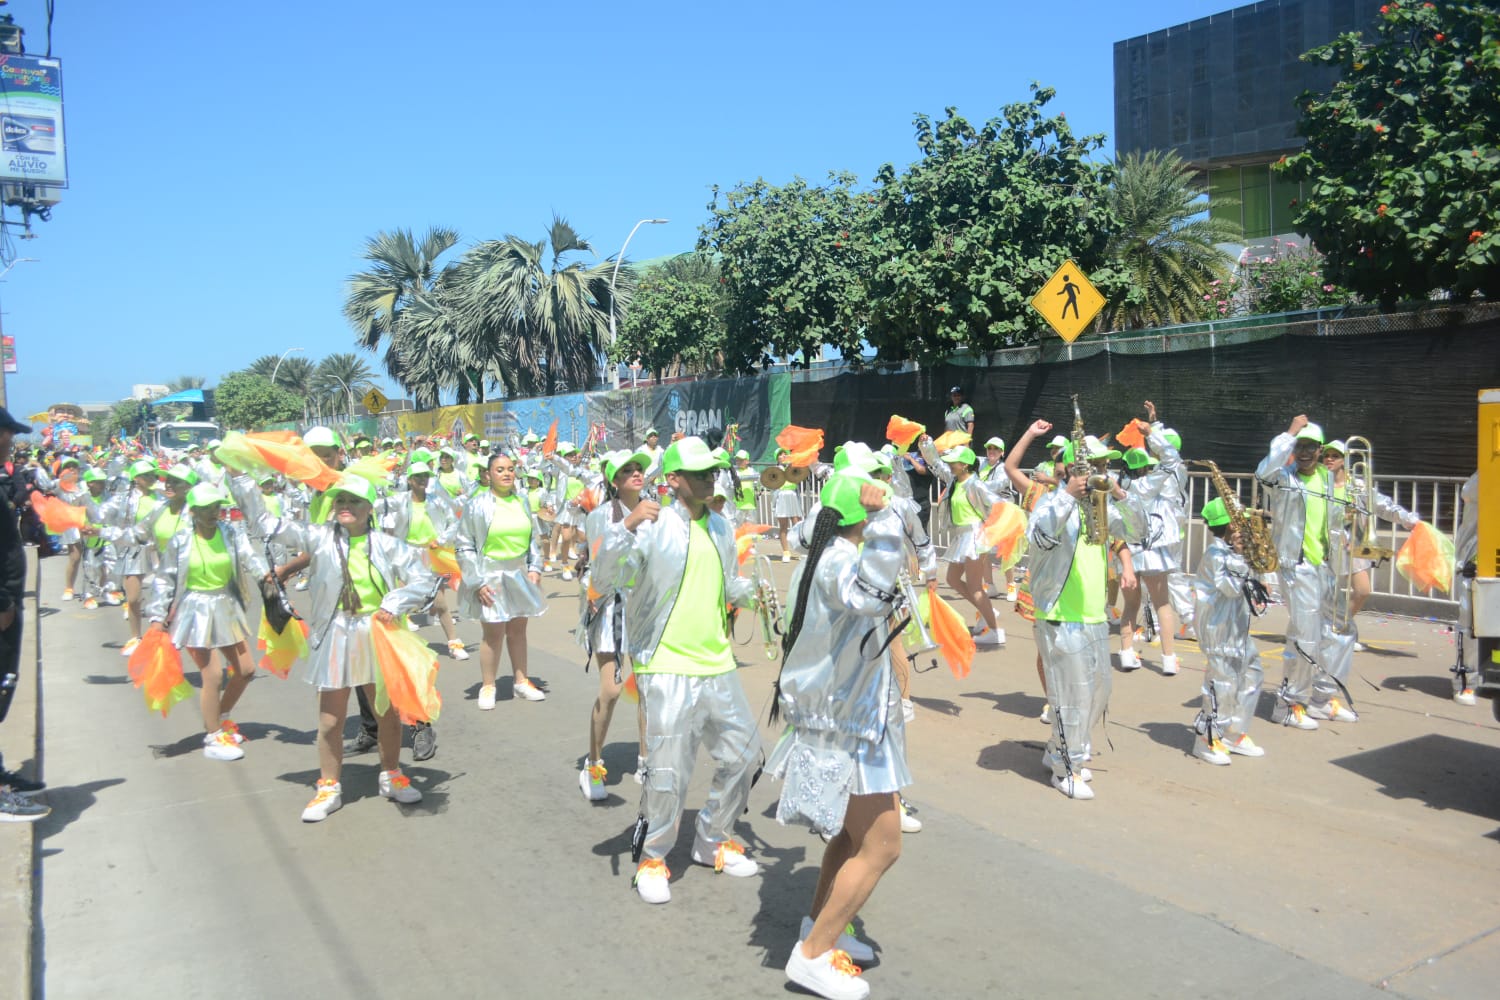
x=1332, y=710
x=591, y=780
x=832, y=974
x=328, y=799
x=227, y=725
x=397, y=787
x=129, y=647
x=651, y=881
x=221, y=746
x=726, y=856
x=456, y=649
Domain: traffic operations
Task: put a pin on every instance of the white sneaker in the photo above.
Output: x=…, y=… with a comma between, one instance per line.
x=726, y=856
x=528, y=691
x=832, y=974
x=909, y=824
x=67, y=595
x=397, y=787
x=1295, y=716
x=457, y=651
x=1074, y=787
x=129, y=647
x=328, y=799
x=908, y=710
x=1010, y=594
x=1214, y=752
x=1046, y=717
x=567, y=574
x=591, y=780
x=1332, y=711
x=1169, y=664
x=651, y=881
x=1049, y=762
x=412, y=625
x=220, y=745
x=990, y=637
x=487, y=697
x=1128, y=660
x=302, y=585
x=857, y=949
x=1360, y=647
x=1244, y=746
x=786, y=557
x=1466, y=697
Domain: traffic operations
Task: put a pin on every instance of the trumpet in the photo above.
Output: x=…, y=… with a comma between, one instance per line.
x=767, y=606
x=909, y=596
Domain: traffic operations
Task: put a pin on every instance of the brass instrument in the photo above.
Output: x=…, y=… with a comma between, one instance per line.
x=1359, y=460
x=1260, y=551
x=773, y=478
x=1096, y=500
x=909, y=596
x=767, y=606
x=798, y=474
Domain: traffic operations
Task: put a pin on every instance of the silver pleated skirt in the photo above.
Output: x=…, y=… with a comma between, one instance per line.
x=345, y=657
x=515, y=595
x=1154, y=560
x=208, y=619
x=788, y=504
x=599, y=631
x=134, y=560
x=570, y=517
x=965, y=544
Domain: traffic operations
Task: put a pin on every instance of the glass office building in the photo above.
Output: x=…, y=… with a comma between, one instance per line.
x=1221, y=91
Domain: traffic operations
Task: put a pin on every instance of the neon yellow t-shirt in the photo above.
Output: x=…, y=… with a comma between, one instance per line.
x=746, y=498
x=272, y=503
x=421, y=530
x=144, y=507
x=1083, y=595
x=452, y=482
x=510, y=529
x=168, y=525
x=695, y=641
x=209, y=565
x=964, y=513
x=368, y=586
x=575, y=487
x=1315, y=530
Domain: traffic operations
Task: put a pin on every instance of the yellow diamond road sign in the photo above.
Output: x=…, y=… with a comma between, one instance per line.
x=1068, y=301
x=374, y=400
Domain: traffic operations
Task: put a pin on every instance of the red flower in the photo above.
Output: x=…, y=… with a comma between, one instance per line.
x=1379, y=128
x=1439, y=37
x=1380, y=210
x=1475, y=236
x=1385, y=10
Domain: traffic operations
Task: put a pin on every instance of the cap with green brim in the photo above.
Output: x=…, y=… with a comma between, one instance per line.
x=530, y=438
x=854, y=457
x=1172, y=438
x=652, y=432
x=1058, y=442
x=144, y=467
x=1095, y=451
x=995, y=442
x=1311, y=432
x=70, y=460
x=566, y=448
x=616, y=460
x=421, y=455
x=357, y=487
x=418, y=469
x=470, y=437
x=94, y=476
x=206, y=495
x=269, y=477
x=742, y=456
x=690, y=454
x=1215, y=514
x=1139, y=458
x=321, y=437
x=1337, y=446
x=183, y=473
x=841, y=493
x=965, y=455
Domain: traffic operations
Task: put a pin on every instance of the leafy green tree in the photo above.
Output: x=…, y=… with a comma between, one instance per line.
x=1402, y=162
x=1163, y=243
x=676, y=320
x=246, y=401
x=966, y=235
x=794, y=258
x=126, y=418
x=400, y=266
x=552, y=311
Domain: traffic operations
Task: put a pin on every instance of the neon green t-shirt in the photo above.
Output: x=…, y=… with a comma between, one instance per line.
x=421, y=531
x=1083, y=595
x=144, y=507
x=575, y=487
x=168, y=525
x=272, y=503
x=368, y=586
x=746, y=498
x=452, y=482
x=1315, y=530
x=695, y=641
x=209, y=565
x=510, y=529
x=964, y=513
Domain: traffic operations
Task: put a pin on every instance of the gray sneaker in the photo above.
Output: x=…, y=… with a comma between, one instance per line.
x=423, y=741
x=19, y=809
x=363, y=742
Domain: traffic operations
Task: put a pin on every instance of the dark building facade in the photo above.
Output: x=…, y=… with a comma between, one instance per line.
x=1221, y=91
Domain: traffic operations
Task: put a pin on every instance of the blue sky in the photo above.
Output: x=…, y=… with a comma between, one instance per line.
x=227, y=161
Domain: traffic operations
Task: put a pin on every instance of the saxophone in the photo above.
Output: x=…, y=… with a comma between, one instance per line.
x=1260, y=553
x=1096, y=500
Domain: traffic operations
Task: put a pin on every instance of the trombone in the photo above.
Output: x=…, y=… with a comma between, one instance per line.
x=767, y=606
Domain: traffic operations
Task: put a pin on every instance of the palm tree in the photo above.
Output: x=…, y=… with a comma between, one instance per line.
x=182, y=382
x=1165, y=243
x=340, y=376
x=400, y=267
x=556, y=312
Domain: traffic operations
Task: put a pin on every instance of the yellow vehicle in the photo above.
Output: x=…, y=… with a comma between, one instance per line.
x=1486, y=580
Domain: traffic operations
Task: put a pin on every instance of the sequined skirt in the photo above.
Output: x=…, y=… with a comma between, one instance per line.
x=208, y=619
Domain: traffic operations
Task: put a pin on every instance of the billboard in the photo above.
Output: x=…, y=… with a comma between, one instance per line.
x=31, y=121
x=8, y=352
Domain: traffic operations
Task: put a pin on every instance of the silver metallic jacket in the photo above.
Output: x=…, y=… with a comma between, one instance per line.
x=410, y=584
x=1053, y=533
x=902, y=510
x=170, y=580
x=1222, y=615
x=474, y=530
x=981, y=494
x=652, y=561
x=836, y=678
x=393, y=513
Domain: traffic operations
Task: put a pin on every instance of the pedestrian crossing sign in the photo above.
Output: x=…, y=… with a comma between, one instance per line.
x=374, y=400
x=1068, y=301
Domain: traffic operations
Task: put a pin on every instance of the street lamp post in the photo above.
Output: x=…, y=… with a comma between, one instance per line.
x=277, y=367
x=4, y=398
x=347, y=390
x=614, y=369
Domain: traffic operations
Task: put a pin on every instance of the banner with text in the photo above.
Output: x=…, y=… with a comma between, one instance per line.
x=31, y=121
x=703, y=409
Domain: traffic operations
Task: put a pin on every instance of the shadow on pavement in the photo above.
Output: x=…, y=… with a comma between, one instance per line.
x=1443, y=772
x=1175, y=735
x=68, y=803
x=106, y=679
x=281, y=734
x=186, y=745
x=1386, y=654
x=1023, y=757
x=1428, y=684
x=941, y=705
x=1028, y=706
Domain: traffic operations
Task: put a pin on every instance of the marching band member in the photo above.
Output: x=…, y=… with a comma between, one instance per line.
x=843, y=754
x=787, y=507
x=601, y=632
x=501, y=558
x=969, y=503
x=683, y=562
x=992, y=471
x=1231, y=684
x=98, y=555
x=571, y=480
x=1157, y=481
x=201, y=595
x=123, y=513
x=744, y=479
x=1068, y=573
x=1345, y=530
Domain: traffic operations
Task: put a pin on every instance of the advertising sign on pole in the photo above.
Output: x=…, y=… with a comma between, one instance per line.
x=31, y=121
x=8, y=352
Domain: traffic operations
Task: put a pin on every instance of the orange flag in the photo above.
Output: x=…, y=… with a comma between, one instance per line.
x=1426, y=559
x=156, y=668
x=549, y=443
x=951, y=439
x=952, y=636
x=280, y=451
x=803, y=442
x=444, y=562
x=282, y=649
x=407, y=677
x=902, y=432
x=744, y=539
x=1004, y=530
x=58, y=515
x=1133, y=434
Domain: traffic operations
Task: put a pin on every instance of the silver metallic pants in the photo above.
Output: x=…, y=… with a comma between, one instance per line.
x=1075, y=658
x=1309, y=594
x=1231, y=688
x=682, y=712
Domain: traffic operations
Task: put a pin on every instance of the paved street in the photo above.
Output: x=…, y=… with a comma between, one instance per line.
x=1347, y=860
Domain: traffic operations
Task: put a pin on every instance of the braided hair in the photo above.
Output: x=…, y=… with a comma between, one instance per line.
x=824, y=528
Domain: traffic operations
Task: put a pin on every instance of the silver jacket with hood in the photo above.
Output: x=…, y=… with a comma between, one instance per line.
x=170, y=581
